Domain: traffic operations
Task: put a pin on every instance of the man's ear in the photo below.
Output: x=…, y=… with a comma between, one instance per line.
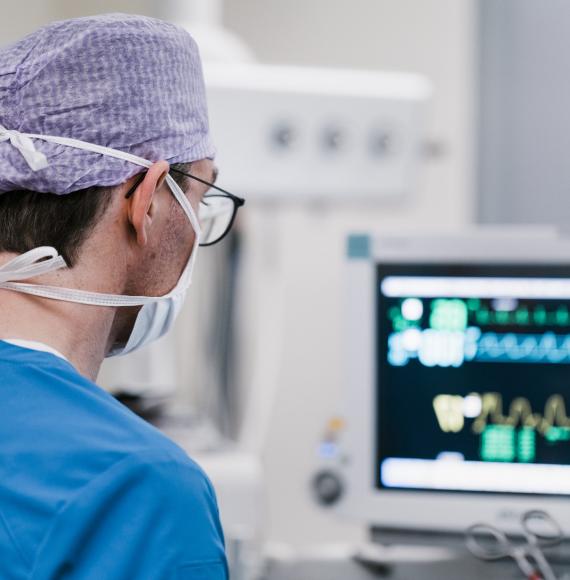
x=141, y=203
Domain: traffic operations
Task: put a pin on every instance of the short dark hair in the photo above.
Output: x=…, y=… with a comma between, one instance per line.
x=29, y=219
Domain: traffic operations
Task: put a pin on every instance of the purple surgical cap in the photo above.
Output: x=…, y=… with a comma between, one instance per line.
x=131, y=83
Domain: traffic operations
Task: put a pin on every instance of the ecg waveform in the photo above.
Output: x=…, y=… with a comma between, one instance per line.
x=533, y=348
x=458, y=314
x=521, y=413
x=539, y=316
x=509, y=437
x=446, y=348
x=447, y=332
x=487, y=408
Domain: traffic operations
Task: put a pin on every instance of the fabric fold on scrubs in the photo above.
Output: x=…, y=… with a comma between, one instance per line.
x=88, y=490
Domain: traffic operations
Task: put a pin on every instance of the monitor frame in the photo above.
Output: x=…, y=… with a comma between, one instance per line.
x=412, y=510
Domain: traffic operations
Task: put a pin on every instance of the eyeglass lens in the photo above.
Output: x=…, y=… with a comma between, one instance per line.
x=216, y=217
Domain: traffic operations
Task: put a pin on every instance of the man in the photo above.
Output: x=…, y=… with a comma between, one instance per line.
x=105, y=164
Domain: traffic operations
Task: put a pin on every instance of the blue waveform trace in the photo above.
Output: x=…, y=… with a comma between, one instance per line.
x=529, y=348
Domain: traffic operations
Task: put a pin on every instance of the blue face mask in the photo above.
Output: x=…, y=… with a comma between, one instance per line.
x=154, y=320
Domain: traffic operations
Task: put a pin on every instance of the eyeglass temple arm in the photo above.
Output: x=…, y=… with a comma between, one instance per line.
x=237, y=199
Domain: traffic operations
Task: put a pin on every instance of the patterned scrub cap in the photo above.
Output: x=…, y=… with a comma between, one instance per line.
x=130, y=83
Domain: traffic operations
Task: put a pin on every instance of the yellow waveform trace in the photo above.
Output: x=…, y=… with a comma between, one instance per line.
x=521, y=413
x=449, y=412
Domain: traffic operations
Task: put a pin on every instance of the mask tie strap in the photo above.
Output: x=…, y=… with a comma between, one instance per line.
x=33, y=263
x=34, y=158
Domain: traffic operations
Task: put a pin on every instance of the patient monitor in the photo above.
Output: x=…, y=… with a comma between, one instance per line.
x=458, y=381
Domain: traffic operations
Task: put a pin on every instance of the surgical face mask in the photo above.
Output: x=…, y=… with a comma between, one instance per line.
x=157, y=314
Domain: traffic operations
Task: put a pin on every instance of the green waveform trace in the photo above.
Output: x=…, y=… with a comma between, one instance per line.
x=557, y=434
x=473, y=304
x=449, y=315
x=456, y=314
x=527, y=445
x=400, y=323
x=522, y=316
x=498, y=443
x=504, y=443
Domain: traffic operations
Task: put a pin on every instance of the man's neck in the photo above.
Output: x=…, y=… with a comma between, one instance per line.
x=79, y=332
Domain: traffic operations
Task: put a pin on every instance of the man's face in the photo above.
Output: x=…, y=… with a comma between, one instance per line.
x=171, y=238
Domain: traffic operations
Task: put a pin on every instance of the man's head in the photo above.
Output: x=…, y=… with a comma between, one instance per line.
x=30, y=219
x=136, y=240
x=147, y=236
x=83, y=104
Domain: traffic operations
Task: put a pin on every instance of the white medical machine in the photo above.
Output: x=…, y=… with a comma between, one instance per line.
x=457, y=390
x=296, y=137
x=293, y=134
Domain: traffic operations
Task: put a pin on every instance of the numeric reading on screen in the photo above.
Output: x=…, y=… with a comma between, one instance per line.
x=473, y=377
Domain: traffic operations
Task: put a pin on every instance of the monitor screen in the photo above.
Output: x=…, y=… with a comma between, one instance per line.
x=473, y=378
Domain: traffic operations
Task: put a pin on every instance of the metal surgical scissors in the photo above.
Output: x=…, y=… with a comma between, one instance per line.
x=540, y=531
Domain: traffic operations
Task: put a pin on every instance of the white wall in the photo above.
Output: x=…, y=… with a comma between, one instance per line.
x=20, y=18
x=432, y=37
x=77, y=8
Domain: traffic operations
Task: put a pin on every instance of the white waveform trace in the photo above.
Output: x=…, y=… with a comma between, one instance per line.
x=443, y=348
x=412, y=309
x=412, y=339
x=472, y=406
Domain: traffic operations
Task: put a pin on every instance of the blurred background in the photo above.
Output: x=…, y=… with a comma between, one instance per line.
x=258, y=351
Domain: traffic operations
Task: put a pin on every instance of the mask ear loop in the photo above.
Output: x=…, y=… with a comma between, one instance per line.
x=103, y=299
x=33, y=263
x=186, y=277
x=180, y=197
x=190, y=214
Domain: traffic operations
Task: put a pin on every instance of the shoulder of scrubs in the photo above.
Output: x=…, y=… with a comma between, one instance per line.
x=89, y=490
x=149, y=516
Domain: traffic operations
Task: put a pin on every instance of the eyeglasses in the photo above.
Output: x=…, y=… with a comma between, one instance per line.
x=217, y=211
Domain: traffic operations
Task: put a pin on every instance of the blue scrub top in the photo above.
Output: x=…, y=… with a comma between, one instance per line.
x=89, y=490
